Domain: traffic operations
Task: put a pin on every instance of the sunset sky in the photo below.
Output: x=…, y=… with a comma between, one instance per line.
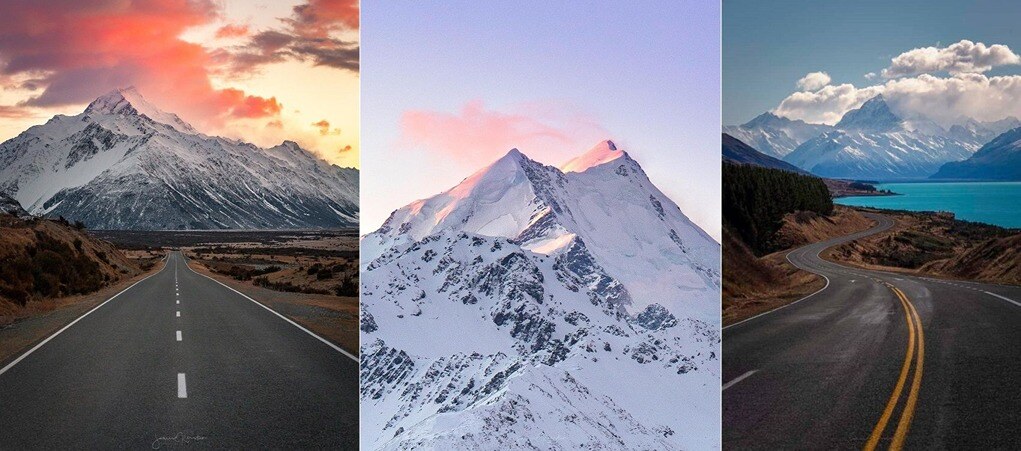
x=258, y=70
x=452, y=86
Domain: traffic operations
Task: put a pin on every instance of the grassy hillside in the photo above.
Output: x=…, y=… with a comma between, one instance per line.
x=45, y=259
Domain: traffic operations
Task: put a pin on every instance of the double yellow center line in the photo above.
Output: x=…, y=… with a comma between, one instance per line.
x=915, y=353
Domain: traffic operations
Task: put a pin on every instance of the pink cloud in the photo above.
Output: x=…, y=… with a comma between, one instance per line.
x=476, y=136
x=85, y=49
x=232, y=31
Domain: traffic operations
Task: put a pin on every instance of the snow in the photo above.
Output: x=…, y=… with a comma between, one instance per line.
x=517, y=294
x=123, y=157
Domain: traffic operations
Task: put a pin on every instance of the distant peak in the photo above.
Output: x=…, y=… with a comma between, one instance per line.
x=874, y=114
x=766, y=118
x=604, y=152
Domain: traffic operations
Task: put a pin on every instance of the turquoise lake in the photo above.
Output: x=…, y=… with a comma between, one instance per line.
x=997, y=203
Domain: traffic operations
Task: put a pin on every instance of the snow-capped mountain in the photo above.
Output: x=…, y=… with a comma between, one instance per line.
x=125, y=164
x=873, y=142
x=1000, y=159
x=774, y=135
x=972, y=131
x=539, y=307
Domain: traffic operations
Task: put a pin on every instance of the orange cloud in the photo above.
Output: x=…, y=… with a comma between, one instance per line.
x=476, y=135
x=85, y=49
x=321, y=17
x=324, y=128
x=232, y=31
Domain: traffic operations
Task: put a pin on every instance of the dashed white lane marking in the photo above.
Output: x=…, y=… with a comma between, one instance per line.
x=1005, y=298
x=178, y=314
x=178, y=301
x=182, y=387
x=738, y=379
x=178, y=335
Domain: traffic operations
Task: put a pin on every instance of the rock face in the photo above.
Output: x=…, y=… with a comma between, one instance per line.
x=1000, y=159
x=124, y=164
x=537, y=307
x=10, y=206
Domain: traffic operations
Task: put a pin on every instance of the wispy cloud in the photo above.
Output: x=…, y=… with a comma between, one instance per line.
x=477, y=135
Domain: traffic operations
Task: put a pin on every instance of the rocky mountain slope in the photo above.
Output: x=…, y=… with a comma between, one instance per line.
x=774, y=135
x=540, y=307
x=1000, y=159
x=737, y=152
x=125, y=164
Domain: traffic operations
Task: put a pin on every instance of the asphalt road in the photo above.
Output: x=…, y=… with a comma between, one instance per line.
x=180, y=360
x=833, y=371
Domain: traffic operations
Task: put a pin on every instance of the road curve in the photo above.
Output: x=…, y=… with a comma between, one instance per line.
x=180, y=360
x=854, y=361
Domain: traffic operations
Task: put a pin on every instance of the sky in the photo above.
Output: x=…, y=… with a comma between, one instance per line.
x=815, y=60
x=259, y=70
x=451, y=86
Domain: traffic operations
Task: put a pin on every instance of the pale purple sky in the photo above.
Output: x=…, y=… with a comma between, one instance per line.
x=449, y=86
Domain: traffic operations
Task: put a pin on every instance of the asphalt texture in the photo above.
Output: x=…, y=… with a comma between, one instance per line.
x=239, y=377
x=821, y=372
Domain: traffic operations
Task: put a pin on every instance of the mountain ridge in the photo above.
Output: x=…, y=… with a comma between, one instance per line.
x=124, y=164
x=523, y=264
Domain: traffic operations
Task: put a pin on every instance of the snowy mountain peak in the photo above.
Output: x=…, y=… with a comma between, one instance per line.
x=128, y=101
x=873, y=115
x=553, y=286
x=604, y=152
x=123, y=163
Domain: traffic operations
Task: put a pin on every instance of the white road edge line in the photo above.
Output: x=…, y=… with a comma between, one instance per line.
x=182, y=387
x=1004, y=298
x=47, y=340
x=178, y=335
x=738, y=379
x=299, y=326
x=790, y=304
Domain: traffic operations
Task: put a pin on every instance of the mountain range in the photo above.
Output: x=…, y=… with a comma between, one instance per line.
x=873, y=142
x=737, y=152
x=579, y=309
x=125, y=164
x=1000, y=159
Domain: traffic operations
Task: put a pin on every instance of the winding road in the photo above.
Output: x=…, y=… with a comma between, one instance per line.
x=876, y=360
x=179, y=359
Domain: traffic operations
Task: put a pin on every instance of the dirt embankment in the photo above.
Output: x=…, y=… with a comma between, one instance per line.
x=47, y=264
x=752, y=285
x=937, y=244
x=51, y=273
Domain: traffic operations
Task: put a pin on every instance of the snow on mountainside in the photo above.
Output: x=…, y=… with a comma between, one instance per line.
x=774, y=135
x=125, y=164
x=872, y=142
x=1000, y=159
x=507, y=311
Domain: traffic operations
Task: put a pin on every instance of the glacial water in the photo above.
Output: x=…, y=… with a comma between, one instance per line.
x=996, y=203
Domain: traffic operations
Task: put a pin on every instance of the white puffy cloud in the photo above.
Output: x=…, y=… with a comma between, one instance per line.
x=826, y=105
x=943, y=99
x=814, y=81
x=962, y=57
